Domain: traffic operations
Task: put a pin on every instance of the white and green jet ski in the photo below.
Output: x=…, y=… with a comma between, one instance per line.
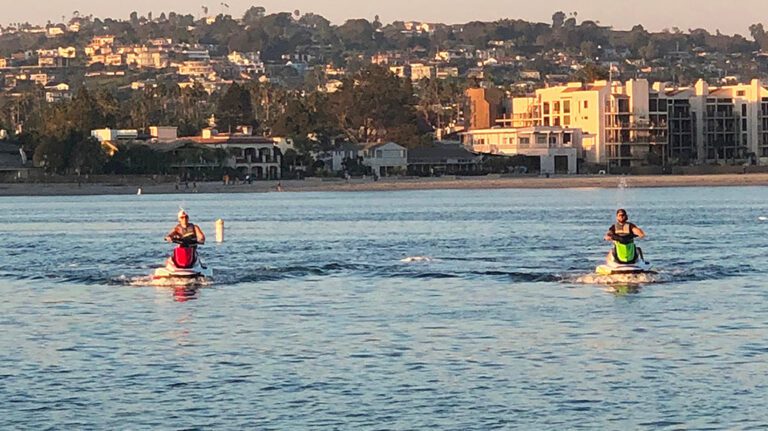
x=625, y=258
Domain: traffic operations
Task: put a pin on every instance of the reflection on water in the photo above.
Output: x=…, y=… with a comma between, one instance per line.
x=625, y=289
x=185, y=293
x=404, y=310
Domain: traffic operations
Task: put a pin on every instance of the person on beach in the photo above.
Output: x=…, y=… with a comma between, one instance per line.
x=623, y=234
x=185, y=230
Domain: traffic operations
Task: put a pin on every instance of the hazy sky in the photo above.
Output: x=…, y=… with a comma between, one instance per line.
x=729, y=17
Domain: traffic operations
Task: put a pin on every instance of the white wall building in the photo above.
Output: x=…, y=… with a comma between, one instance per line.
x=557, y=148
x=385, y=159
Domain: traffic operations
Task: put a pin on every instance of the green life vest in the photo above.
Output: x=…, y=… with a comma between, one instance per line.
x=625, y=249
x=625, y=253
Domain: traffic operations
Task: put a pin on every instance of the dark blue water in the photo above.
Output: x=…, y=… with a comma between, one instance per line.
x=388, y=310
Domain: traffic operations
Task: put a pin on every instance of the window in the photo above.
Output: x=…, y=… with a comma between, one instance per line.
x=566, y=106
x=546, y=121
x=567, y=120
x=541, y=140
x=552, y=140
x=546, y=108
x=556, y=108
x=525, y=141
x=744, y=110
x=379, y=154
x=556, y=121
x=740, y=93
x=743, y=124
x=586, y=104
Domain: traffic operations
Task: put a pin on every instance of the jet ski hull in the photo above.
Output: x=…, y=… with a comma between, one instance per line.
x=611, y=268
x=171, y=271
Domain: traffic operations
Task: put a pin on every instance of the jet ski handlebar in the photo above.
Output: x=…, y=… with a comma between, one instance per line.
x=624, y=239
x=185, y=242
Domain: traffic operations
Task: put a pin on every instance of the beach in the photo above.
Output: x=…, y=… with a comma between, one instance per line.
x=123, y=186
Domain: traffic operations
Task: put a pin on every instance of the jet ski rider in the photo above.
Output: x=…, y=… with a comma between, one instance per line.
x=623, y=234
x=186, y=231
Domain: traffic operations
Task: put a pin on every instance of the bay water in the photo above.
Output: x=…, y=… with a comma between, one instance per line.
x=437, y=309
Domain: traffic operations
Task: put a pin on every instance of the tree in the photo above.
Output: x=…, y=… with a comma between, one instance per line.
x=588, y=49
x=758, y=33
x=254, y=14
x=87, y=156
x=235, y=108
x=356, y=34
x=558, y=19
x=375, y=105
x=591, y=73
x=650, y=51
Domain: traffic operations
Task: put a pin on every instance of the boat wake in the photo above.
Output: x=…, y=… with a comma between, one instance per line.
x=149, y=281
x=413, y=259
x=641, y=278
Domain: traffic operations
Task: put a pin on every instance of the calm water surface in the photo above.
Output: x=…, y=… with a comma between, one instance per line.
x=388, y=310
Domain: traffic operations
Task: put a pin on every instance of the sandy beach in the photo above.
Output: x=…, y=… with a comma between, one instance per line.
x=129, y=186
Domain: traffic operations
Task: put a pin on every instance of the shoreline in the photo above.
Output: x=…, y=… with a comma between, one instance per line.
x=386, y=184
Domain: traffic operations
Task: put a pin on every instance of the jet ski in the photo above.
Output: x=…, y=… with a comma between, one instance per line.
x=624, y=258
x=612, y=266
x=184, y=263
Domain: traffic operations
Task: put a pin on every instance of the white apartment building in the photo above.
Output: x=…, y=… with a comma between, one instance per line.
x=557, y=148
x=633, y=124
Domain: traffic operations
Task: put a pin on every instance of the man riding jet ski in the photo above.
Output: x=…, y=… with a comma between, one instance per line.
x=184, y=262
x=624, y=257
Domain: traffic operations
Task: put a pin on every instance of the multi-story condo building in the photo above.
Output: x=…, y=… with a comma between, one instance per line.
x=629, y=124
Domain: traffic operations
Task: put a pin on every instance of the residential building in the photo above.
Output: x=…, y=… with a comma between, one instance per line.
x=55, y=31
x=67, y=52
x=196, y=54
x=557, y=148
x=421, y=71
x=53, y=61
x=114, y=135
x=709, y=123
x=484, y=107
x=398, y=71
x=631, y=124
x=447, y=72
x=196, y=68
x=613, y=117
x=109, y=138
x=248, y=62
x=13, y=161
x=385, y=159
x=40, y=78
x=443, y=159
x=163, y=133
x=57, y=92
x=419, y=27
x=256, y=156
x=341, y=154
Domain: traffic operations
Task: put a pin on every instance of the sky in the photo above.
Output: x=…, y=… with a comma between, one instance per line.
x=729, y=17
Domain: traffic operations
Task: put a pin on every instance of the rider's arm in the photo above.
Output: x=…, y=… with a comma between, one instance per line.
x=637, y=231
x=170, y=235
x=609, y=235
x=200, y=235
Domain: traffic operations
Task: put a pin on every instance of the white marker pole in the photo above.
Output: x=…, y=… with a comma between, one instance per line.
x=219, y=230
